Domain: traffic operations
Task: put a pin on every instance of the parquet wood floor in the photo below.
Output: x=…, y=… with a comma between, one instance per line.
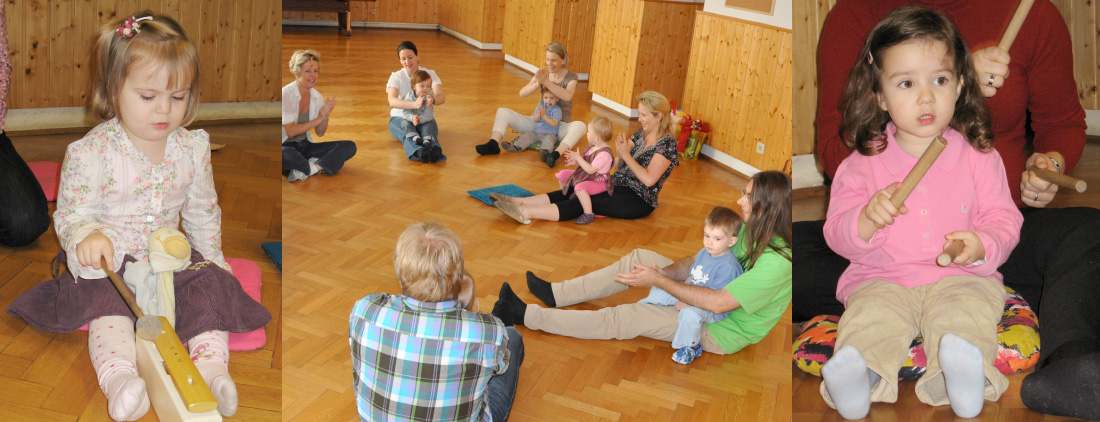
x=807, y=402
x=340, y=232
x=49, y=377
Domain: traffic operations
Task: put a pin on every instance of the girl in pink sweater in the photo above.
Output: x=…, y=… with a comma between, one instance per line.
x=914, y=81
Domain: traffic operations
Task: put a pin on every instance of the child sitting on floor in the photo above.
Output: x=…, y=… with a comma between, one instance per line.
x=593, y=172
x=547, y=115
x=714, y=268
x=420, y=124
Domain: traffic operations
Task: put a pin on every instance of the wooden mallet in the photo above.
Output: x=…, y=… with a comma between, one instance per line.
x=1059, y=179
x=910, y=182
x=1015, y=24
x=923, y=164
x=177, y=362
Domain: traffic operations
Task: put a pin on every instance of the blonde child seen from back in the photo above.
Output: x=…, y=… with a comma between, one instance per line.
x=915, y=81
x=132, y=174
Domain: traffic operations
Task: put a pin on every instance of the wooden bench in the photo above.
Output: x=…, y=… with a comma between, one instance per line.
x=340, y=7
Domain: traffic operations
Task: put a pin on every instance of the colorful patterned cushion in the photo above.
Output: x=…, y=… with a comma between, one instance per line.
x=1017, y=335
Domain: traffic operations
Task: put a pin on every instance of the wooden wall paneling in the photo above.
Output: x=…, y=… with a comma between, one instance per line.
x=222, y=41
x=61, y=51
x=807, y=27
x=574, y=26
x=493, y=24
x=527, y=28
x=615, y=50
x=38, y=52
x=207, y=42
x=664, y=48
x=85, y=14
x=272, y=89
x=260, y=32
x=742, y=88
x=17, y=52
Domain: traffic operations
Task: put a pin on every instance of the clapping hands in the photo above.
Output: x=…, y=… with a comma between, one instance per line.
x=326, y=108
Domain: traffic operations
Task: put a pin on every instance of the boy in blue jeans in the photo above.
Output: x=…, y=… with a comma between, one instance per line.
x=714, y=267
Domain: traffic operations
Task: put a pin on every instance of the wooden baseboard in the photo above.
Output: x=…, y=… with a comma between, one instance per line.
x=810, y=192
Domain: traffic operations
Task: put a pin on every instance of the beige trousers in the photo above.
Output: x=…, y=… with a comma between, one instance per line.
x=620, y=322
x=568, y=132
x=883, y=318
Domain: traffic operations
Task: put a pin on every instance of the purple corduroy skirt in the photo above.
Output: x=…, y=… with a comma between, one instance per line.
x=207, y=298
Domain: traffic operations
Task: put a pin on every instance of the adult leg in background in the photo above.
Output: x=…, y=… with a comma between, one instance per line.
x=816, y=269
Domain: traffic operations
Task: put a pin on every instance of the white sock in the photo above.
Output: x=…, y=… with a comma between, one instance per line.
x=849, y=382
x=963, y=373
x=210, y=351
x=114, y=357
x=313, y=168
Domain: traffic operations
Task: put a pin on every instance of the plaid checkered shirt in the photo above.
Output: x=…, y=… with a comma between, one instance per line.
x=423, y=361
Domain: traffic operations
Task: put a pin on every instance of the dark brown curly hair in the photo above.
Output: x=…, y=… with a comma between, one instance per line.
x=863, y=124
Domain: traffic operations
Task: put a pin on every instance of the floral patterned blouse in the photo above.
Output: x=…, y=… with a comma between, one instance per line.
x=665, y=146
x=107, y=184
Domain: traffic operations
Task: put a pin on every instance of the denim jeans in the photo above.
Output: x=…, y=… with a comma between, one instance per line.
x=502, y=388
x=400, y=128
x=330, y=155
x=24, y=215
x=690, y=328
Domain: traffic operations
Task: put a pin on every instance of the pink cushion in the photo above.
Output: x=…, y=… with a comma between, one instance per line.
x=249, y=275
x=48, y=175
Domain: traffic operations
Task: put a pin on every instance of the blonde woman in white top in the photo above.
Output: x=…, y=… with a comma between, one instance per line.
x=305, y=110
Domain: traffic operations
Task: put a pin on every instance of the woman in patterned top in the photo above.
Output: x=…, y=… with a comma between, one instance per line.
x=644, y=163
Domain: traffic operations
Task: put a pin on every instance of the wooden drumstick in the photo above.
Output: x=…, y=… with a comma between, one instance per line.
x=949, y=254
x=1015, y=24
x=1059, y=179
x=918, y=171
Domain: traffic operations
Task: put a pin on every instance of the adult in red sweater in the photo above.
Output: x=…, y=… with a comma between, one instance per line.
x=1055, y=266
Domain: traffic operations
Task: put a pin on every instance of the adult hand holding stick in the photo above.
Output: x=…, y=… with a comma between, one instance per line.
x=1059, y=179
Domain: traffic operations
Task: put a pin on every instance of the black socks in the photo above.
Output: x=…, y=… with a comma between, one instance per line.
x=518, y=306
x=541, y=289
x=1066, y=386
x=488, y=148
x=503, y=311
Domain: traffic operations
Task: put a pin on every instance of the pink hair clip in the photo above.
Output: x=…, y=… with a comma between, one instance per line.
x=131, y=26
x=870, y=58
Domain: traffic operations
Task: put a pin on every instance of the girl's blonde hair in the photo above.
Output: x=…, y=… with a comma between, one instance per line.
x=659, y=105
x=559, y=49
x=603, y=128
x=160, y=41
x=428, y=262
x=299, y=59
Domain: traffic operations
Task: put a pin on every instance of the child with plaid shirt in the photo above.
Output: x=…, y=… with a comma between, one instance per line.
x=426, y=354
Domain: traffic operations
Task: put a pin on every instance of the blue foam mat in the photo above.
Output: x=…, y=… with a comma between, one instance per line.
x=275, y=251
x=510, y=190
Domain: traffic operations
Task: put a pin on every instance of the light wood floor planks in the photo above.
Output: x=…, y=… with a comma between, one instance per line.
x=807, y=401
x=340, y=232
x=49, y=377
